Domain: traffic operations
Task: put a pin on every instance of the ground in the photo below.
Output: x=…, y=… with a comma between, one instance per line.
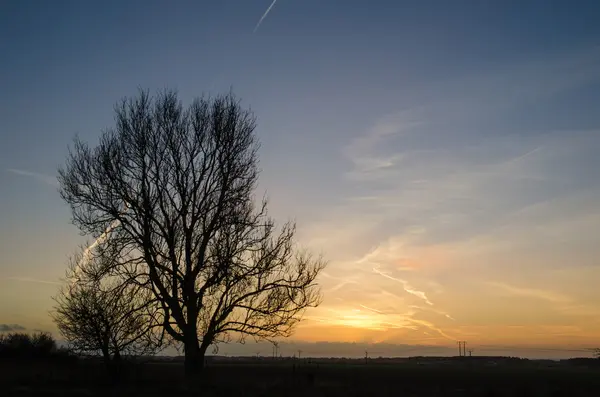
x=301, y=378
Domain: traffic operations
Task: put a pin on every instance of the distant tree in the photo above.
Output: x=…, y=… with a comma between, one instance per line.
x=96, y=314
x=43, y=344
x=23, y=345
x=175, y=187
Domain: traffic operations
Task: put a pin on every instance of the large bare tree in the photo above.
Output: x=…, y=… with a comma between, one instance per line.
x=101, y=314
x=175, y=187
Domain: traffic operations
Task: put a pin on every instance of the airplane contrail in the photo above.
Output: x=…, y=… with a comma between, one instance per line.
x=50, y=180
x=86, y=255
x=31, y=280
x=264, y=15
x=406, y=286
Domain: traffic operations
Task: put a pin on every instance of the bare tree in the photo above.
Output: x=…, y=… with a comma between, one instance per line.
x=175, y=187
x=102, y=315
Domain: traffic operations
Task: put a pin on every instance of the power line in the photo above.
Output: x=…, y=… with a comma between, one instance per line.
x=462, y=348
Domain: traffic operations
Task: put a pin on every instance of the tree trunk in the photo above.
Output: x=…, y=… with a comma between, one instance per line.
x=111, y=366
x=117, y=367
x=193, y=359
x=107, y=360
x=202, y=354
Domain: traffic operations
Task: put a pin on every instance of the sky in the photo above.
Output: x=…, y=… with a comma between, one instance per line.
x=441, y=155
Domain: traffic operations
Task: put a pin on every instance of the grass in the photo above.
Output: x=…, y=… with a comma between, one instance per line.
x=289, y=379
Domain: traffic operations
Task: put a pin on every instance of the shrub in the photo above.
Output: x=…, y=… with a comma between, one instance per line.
x=22, y=345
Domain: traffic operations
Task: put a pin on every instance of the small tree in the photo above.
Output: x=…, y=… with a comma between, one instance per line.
x=99, y=315
x=175, y=187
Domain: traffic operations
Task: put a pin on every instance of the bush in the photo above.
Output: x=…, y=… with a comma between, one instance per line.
x=22, y=345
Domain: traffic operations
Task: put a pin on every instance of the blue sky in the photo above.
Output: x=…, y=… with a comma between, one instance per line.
x=442, y=155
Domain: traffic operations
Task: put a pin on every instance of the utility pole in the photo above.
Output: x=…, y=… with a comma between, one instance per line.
x=470, y=352
x=299, y=353
x=366, y=357
x=462, y=348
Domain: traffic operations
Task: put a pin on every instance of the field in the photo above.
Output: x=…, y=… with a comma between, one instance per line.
x=295, y=378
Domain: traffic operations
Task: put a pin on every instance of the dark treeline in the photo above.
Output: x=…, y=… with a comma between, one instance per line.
x=40, y=345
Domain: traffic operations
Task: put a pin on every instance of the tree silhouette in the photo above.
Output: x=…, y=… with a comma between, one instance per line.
x=174, y=187
x=17, y=345
x=99, y=314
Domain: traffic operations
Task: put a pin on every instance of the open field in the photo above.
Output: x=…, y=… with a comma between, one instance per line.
x=288, y=378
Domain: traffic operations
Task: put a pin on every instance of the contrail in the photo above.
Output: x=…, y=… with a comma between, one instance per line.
x=31, y=280
x=371, y=309
x=264, y=15
x=85, y=257
x=50, y=180
x=407, y=287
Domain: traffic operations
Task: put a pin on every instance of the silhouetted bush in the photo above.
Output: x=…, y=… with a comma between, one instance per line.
x=43, y=344
x=35, y=346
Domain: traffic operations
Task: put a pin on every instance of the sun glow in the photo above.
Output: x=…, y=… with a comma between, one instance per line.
x=364, y=318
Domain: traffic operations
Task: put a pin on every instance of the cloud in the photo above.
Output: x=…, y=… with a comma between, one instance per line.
x=363, y=317
x=463, y=111
x=432, y=327
x=407, y=287
x=432, y=310
x=549, y=233
x=32, y=280
x=47, y=179
x=11, y=327
x=361, y=150
x=371, y=309
x=339, y=282
x=462, y=186
x=564, y=306
x=546, y=295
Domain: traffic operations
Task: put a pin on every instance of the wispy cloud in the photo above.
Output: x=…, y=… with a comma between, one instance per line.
x=432, y=327
x=430, y=309
x=542, y=294
x=459, y=112
x=32, y=280
x=369, y=318
x=407, y=287
x=363, y=150
x=371, y=309
x=48, y=179
x=334, y=283
x=11, y=327
x=264, y=15
x=462, y=182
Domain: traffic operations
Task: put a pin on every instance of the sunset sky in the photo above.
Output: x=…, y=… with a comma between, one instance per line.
x=442, y=155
